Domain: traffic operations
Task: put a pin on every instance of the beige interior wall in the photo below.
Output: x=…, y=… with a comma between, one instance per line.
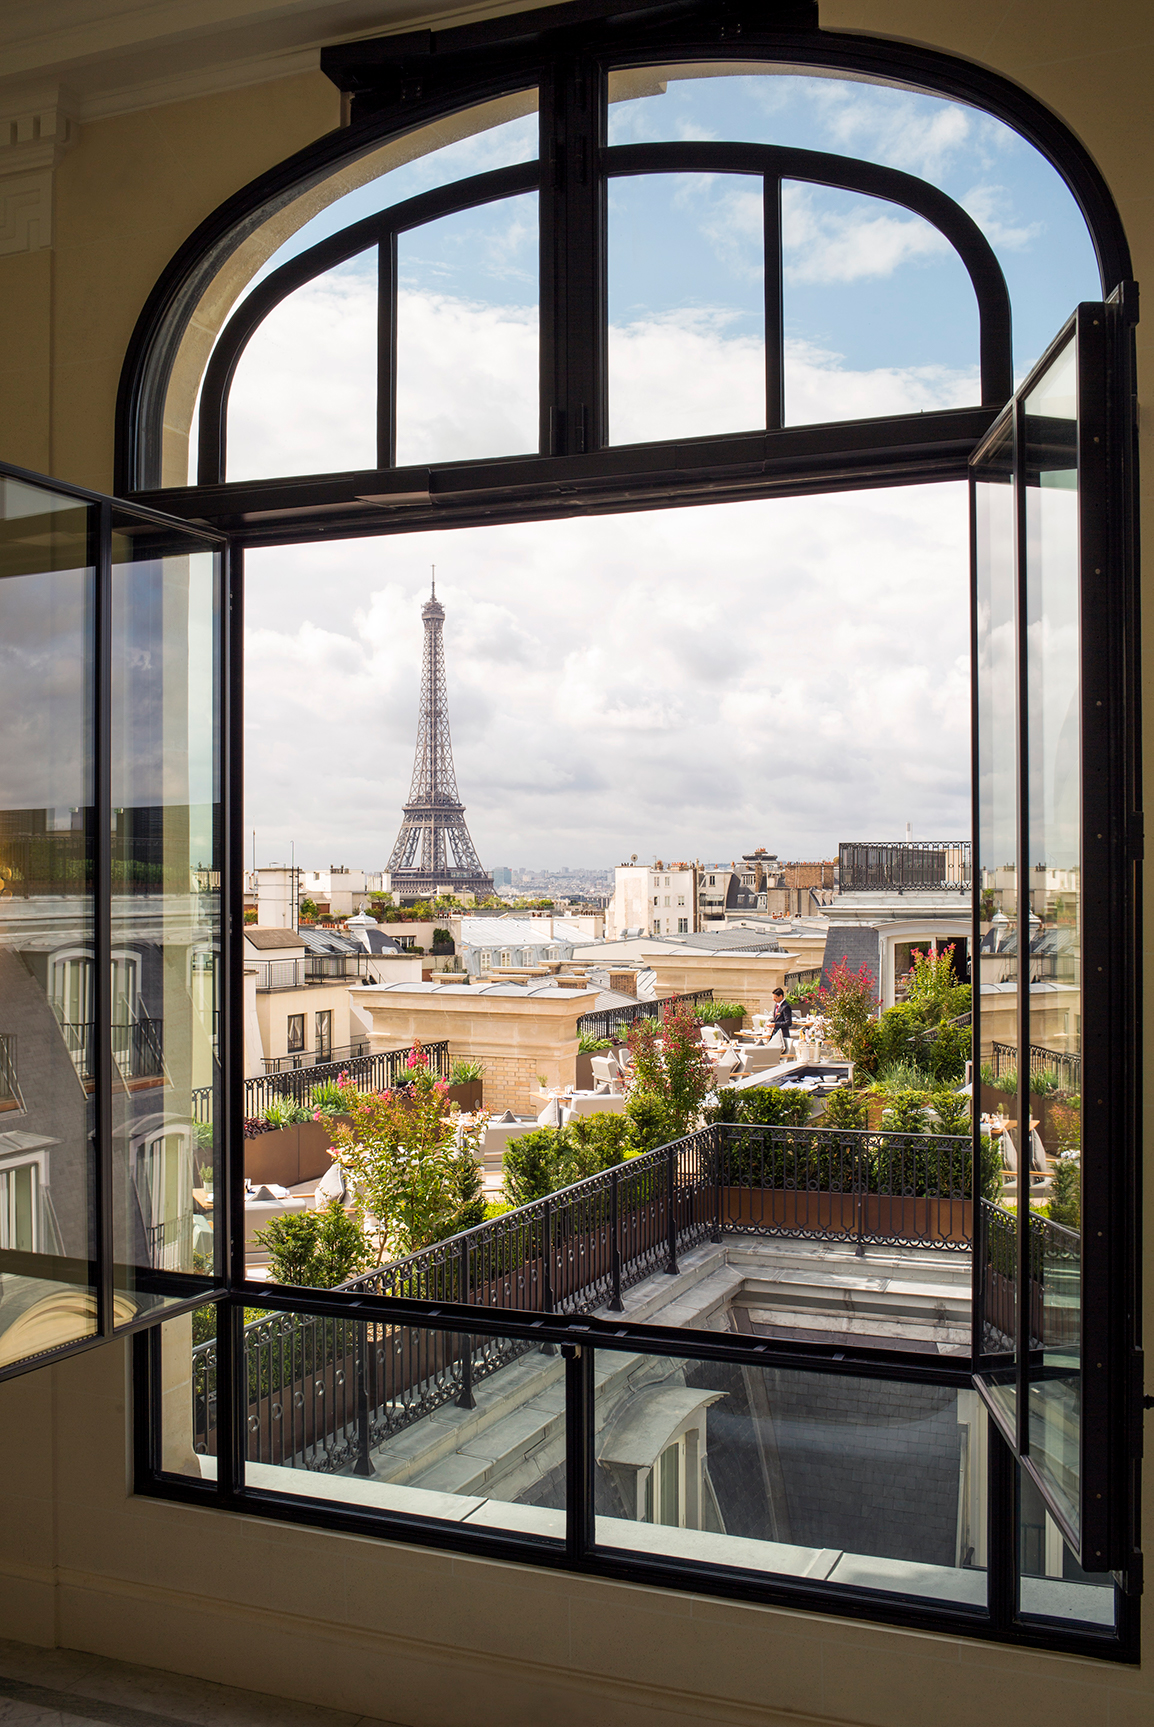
x=375, y=1627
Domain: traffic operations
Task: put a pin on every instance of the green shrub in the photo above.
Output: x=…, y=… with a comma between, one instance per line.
x=286, y=1112
x=529, y=1165
x=592, y=1045
x=990, y=1168
x=763, y=1106
x=952, y=1109
x=465, y=1072
x=549, y=1158
x=331, y=1098
x=316, y=1249
x=712, y=1012
x=650, y=1119
x=1066, y=1205
x=844, y=1108
x=904, y=1076
x=904, y=1112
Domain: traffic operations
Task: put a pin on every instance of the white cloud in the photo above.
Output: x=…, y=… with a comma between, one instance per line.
x=990, y=206
x=852, y=239
x=788, y=672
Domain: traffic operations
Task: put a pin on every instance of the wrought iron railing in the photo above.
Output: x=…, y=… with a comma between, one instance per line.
x=1067, y=1069
x=904, y=865
x=1054, y=1281
x=608, y=1020
x=365, y=1073
x=312, y=1058
x=799, y=979
x=324, y=1392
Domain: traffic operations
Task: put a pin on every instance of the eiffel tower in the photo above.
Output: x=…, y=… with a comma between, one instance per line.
x=434, y=821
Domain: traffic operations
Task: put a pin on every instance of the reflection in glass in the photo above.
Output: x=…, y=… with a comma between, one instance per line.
x=47, y=1077
x=165, y=911
x=996, y=879
x=467, y=343
x=304, y=397
x=686, y=320
x=1054, y=723
x=873, y=300
x=866, y=1483
x=395, y=1418
x=1053, y=1584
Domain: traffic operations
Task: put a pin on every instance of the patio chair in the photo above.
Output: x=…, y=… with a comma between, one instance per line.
x=605, y=1069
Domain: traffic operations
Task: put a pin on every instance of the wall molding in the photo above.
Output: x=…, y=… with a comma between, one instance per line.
x=32, y=142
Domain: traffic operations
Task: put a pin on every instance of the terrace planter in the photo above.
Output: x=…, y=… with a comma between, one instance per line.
x=468, y=1097
x=927, y=1220
x=290, y=1155
x=584, y=1080
x=730, y=1026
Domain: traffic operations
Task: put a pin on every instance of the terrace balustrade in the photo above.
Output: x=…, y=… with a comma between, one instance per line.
x=607, y=1021
x=928, y=865
x=324, y=1391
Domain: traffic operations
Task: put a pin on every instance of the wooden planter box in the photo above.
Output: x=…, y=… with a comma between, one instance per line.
x=584, y=1079
x=908, y=1219
x=468, y=1097
x=290, y=1155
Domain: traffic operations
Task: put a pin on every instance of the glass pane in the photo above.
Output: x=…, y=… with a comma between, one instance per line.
x=401, y=1418
x=184, y=1361
x=1015, y=195
x=849, y=1481
x=496, y=134
x=878, y=310
x=686, y=306
x=996, y=878
x=1054, y=722
x=166, y=837
x=1053, y=1584
x=467, y=344
x=47, y=1294
x=304, y=399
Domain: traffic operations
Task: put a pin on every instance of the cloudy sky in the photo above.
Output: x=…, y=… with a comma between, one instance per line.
x=684, y=682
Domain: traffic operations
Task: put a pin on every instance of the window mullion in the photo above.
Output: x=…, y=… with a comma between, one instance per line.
x=387, y=352
x=1025, y=1286
x=774, y=299
x=573, y=296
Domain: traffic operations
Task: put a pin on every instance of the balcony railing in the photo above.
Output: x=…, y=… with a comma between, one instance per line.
x=324, y=1392
x=364, y=1073
x=137, y=1049
x=1066, y=1068
x=910, y=866
x=608, y=1021
x=274, y=974
x=315, y=1057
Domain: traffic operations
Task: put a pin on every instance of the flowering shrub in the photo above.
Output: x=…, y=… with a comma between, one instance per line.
x=409, y=1162
x=848, y=1005
x=670, y=1067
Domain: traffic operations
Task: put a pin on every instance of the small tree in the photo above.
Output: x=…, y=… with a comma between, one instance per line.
x=847, y=1004
x=417, y=1176
x=308, y=909
x=316, y=1249
x=670, y=1065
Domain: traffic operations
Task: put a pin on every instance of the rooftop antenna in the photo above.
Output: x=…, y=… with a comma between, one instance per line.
x=433, y=567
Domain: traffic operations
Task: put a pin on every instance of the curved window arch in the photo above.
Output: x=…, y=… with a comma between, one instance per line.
x=406, y=95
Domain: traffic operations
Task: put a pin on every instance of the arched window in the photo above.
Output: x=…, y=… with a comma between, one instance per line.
x=501, y=211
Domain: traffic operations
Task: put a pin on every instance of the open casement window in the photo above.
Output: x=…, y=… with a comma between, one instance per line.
x=294, y=1415
x=1058, y=840
x=111, y=849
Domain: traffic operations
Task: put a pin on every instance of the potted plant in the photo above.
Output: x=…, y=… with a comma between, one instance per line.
x=728, y=1016
x=465, y=1085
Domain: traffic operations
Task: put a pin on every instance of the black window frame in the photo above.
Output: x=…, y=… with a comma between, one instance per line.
x=394, y=85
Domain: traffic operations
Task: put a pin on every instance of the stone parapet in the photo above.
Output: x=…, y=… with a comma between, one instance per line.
x=518, y=1038
x=748, y=978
